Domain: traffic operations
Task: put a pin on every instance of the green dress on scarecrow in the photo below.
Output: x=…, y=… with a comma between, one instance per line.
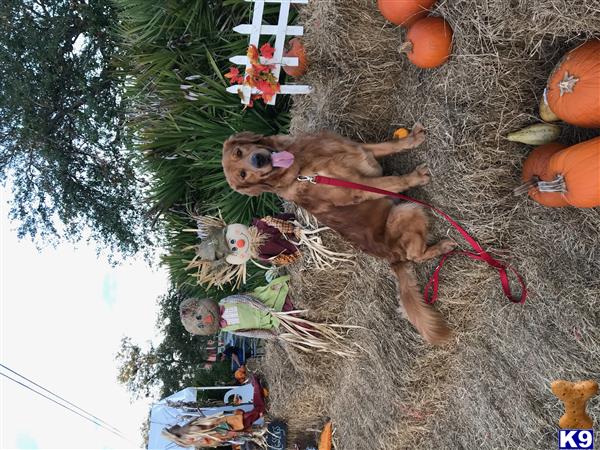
x=237, y=316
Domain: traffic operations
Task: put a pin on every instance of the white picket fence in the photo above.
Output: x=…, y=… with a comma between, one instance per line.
x=280, y=31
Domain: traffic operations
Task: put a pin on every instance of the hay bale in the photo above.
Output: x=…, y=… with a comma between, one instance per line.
x=490, y=388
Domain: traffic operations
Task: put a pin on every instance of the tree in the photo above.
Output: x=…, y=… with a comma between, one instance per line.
x=63, y=145
x=145, y=430
x=175, y=363
x=139, y=369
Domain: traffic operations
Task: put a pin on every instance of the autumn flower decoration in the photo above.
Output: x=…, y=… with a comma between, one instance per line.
x=259, y=76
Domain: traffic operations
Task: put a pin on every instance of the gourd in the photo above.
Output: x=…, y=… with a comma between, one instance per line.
x=546, y=113
x=404, y=12
x=428, y=43
x=573, y=90
x=326, y=437
x=296, y=49
x=556, y=176
x=535, y=168
x=538, y=134
x=401, y=133
x=574, y=173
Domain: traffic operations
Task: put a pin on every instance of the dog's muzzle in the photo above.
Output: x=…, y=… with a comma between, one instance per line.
x=258, y=160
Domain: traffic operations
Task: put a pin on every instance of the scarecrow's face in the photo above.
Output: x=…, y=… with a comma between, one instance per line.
x=200, y=317
x=237, y=237
x=205, y=319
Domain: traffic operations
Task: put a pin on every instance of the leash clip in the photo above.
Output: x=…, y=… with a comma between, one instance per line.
x=308, y=178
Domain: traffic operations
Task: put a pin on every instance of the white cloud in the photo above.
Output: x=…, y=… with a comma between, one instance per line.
x=109, y=289
x=25, y=441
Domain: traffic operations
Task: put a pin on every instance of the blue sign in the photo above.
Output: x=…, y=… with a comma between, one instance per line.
x=576, y=439
x=276, y=436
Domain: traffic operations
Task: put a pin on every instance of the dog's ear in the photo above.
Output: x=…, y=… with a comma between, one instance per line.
x=253, y=189
x=245, y=137
x=279, y=141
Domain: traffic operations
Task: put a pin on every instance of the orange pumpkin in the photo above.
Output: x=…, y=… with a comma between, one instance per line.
x=401, y=133
x=326, y=437
x=241, y=375
x=573, y=91
x=535, y=168
x=404, y=12
x=428, y=42
x=296, y=49
x=575, y=174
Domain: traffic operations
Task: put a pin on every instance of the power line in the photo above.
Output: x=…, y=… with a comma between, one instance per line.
x=64, y=406
x=60, y=404
x=58, y=396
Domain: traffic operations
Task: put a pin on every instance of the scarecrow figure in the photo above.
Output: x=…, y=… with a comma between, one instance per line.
x=265, y=313
x=212, y=432
x=224, y=250
x=222, y=429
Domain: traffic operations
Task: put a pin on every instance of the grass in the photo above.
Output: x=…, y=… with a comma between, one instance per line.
x=177, y=54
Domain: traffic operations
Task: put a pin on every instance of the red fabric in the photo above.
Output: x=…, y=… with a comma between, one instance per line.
x=288, y=305
x=431, y=289
x=222, y=322
x=277, y=243
x=259, y=405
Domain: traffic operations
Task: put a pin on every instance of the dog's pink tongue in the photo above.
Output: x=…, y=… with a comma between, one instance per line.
x=282, y=159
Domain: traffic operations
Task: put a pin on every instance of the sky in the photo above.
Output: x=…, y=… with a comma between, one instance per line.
x=63, y=312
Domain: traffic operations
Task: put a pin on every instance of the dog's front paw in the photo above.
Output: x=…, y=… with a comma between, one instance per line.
x=417, y=135
x=447, y=245
x=423, y=174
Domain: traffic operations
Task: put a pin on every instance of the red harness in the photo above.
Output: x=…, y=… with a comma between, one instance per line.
x=431, y=289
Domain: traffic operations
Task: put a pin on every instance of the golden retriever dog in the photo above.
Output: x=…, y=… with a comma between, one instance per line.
x=379, y=226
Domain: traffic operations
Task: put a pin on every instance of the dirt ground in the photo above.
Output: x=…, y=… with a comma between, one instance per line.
x=489, y=389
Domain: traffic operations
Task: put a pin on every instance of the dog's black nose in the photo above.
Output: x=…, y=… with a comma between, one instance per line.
x=259, y=160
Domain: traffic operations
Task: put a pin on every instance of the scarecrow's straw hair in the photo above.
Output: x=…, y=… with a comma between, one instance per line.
x=492, y=383
x=257, y=240
x=309, y=336
x=206, y=224
x=315, y=252
x=218, y=273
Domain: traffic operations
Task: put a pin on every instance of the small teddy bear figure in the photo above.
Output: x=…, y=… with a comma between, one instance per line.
x=575, y=397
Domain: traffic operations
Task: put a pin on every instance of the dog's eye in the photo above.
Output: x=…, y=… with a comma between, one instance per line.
x=243, y=174
x=238, y=153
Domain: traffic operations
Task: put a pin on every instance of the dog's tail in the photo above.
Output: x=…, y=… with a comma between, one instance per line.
x=428, y=322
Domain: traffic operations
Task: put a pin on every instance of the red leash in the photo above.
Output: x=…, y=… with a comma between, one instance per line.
x=431, y=289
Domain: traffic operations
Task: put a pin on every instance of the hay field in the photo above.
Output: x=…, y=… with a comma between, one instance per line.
x=488, y=389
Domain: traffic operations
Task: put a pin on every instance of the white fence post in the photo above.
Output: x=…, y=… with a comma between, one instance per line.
x=280, y=31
